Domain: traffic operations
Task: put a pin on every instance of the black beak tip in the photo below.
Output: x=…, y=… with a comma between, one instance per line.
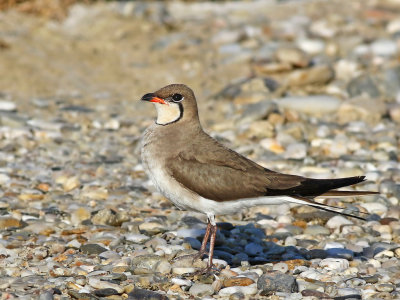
x=148, y=97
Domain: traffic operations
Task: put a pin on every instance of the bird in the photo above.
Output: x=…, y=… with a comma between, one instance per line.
x=197, y=173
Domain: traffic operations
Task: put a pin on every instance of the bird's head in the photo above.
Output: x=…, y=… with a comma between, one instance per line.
x=174, y=103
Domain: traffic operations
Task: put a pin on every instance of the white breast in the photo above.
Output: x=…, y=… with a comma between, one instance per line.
x=164, y=182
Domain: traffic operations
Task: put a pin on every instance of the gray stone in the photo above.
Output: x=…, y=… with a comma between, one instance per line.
x=105, y=217
x=201, y=290
x=257, y=111
x=391, y=79
x=46, y=295
x=136, y=238
x=142, y=294
x=276, y=282
x=317, y=229
x=92, y=249
x=237, y=296
x=105, y=292
x=363, y=84
x=313, y=105
x=316, y=253
x=147, y=264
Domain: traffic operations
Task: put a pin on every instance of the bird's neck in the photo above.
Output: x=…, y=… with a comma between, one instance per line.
x=168, y=114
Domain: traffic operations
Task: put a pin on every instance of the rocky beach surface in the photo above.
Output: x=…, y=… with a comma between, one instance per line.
x=303, y=87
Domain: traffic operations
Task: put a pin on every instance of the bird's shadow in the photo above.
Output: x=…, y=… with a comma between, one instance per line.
x=248, y=243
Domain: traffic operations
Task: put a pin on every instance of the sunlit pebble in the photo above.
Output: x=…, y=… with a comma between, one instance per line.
x=112, y=124
x=44, y=187
x=7, y=105
x=92, y=203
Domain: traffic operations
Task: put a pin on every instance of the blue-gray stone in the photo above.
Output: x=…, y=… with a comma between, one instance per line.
x=274, y=249
x=223, y=255
x=340, y=253
x=238, y=258
x=316, y=253
x=253, y=249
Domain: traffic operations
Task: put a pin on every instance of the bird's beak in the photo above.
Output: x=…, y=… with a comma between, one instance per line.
x=152, y=98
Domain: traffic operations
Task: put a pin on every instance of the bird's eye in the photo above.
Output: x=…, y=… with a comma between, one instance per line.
x=177, y=97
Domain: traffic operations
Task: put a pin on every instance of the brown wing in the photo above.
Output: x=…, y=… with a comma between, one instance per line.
x=223, y=174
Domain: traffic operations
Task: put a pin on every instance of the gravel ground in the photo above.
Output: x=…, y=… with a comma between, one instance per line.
x=303, y=87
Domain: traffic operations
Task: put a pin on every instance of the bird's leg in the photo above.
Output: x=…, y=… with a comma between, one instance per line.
x=202, y=250
x=211, y=232
x=212, y=243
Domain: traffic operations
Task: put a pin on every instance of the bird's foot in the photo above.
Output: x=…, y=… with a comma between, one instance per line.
x=192, y=257
x=204, y=272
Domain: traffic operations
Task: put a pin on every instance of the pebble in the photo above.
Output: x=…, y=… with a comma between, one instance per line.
x=375, y=208
x=385, y=287
x=316, y=229
x=338, y=221
x=281, y=267
x=237, y=281
x=333, y=245
x=146, y=264
x=101, y=284
x=105, y=292
x=92, y=249
x=313, y=105
x=363, y=85
x=136, y=238
x=384, y=47
x=253, y=249
x=296, y=151
x=315, y=75
x=139, y=294
x=340, y=253
x=293, y=56
x=311, y=46
x=249, y=290
x=181, y=282
x=201, y=290
x=276, y=282
x=9, y=222
x=7, y=106
x=347, y=292
x=336, y=264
